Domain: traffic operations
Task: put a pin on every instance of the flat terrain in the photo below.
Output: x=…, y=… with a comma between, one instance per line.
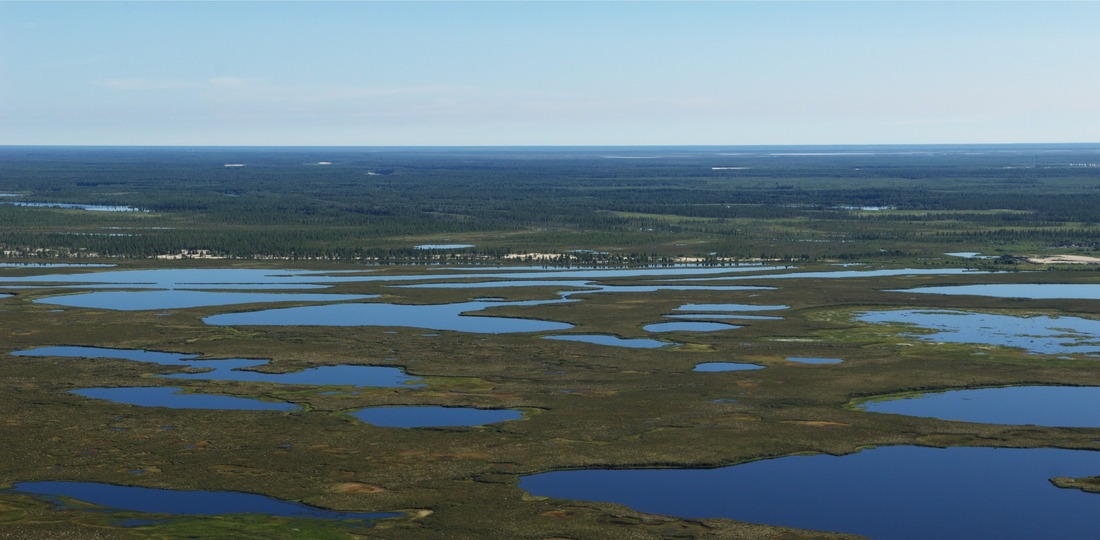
x=585, y=405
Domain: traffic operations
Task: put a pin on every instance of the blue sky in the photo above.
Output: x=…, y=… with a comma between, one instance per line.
x=553, y=73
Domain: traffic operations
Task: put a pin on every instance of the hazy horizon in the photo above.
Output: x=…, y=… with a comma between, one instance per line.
x=547, y=73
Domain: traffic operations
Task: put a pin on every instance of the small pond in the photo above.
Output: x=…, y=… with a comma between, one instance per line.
x=1034, y=291
x=688, y=326
x=240, y=369
x=814, y=360
x=714, y=367
x=175, y=398
x=443, y=246
x=715, y=316
x=1038, y=334
x=728, y=307
x=1058, y=406
x=431, y=416
x=432, y=317
x=183, y=502
x=884, y=493
x=614, y=341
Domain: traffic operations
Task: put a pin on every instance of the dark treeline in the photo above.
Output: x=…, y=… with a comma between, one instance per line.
x=377, y=203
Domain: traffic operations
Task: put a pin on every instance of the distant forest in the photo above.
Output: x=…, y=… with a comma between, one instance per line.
x=620, y=205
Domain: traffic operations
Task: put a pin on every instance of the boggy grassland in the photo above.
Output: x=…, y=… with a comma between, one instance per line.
x=584, y=405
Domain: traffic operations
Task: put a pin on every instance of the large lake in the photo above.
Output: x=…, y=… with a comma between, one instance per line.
x=900, y=492
x=1061, y=406
x=1037, y=334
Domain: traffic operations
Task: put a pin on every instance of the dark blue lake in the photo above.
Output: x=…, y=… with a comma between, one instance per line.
x=900, y=492
x=430, y=416
x=1061, y=406
x=184, y=502
x=174, y=398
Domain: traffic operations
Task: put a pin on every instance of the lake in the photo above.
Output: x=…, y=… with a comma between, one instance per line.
x=716, y=367
x=688, y=326
x=175, y=398
x=1035, y=291
x=432, y=416
x=613, y=341
x=183, y=502
x=902, y=492
x=814, y=360
x=452, y=317
x=1058, y=406
x=241, y=369
x=1037, y=334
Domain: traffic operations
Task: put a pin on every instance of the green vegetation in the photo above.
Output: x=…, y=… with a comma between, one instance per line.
x=585, y=405
x=376, y=204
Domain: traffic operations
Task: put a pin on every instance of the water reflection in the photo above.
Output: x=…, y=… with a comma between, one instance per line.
x=897, y=492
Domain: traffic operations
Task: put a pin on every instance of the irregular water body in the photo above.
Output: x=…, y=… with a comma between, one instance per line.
x=688, y=326
x=1056, y=406
x=431, y=317
x=430, y=416
x=614, y=341
x=728, y=307
x=883, y=493
x=715, y=367
x=1034, y=291
x=813, y=360
x=238, y=369
x=1038, y=334
x=149, y=300
x=184, y=502
x=697, y=316
x=845, y=274
x=174, y=398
